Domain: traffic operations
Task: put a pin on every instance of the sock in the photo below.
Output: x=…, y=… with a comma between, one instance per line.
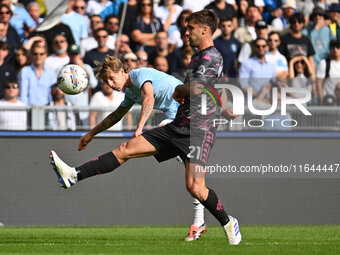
x=198, y=213
x=215, y=207
x=101, y=165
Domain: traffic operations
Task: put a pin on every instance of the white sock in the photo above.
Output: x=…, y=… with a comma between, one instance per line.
x=74, y=174
x=198, y=213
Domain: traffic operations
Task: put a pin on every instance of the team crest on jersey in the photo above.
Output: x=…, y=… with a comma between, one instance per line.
x=233, y=47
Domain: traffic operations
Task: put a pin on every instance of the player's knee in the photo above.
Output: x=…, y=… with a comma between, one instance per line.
x=194, y=189
x=123, y=152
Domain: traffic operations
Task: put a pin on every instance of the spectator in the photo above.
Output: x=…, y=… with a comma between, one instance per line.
x=80, y=8
x=111, y=24
x=145, y=27
x=99, y=53
x=21, y=59
x=229, y=47
x=175, y=58
x=186, y=58
x=36, y=79
x=131, y=14
x=337, y=94
x=81, y=99
x=94, y=7
x=295, y=43
x=113, y=8
x=7, y=70
x=12, y=37
x=161, y=64
x=90, y=42
x=20, y=20
x=302, y=75
x=288, y=9
x=256, y=72
x=334, y=14
x=107, y=97
x=162, y=47
x=60, y=57
x=242, y=11
x=168, y=13
x=223, y=10
x=130, y=60
x=261, y=30
x=319, y=34
x=75, y=21
x=247, y=33
x=37, y=39
x=60, y=119
x=12, y=120
x=49, y=34
x=328, y=72
x=272, y=10
x=122, y=46
x=174, y=32
x=33, y=9
x=275, y=57
x=142, y=59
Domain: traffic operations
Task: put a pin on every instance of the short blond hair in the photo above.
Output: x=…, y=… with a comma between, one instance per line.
x=110, y=63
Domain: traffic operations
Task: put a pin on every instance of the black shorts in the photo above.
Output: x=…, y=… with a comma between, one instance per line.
x=169, y=144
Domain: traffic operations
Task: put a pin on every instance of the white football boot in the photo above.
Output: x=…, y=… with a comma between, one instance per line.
x=63, y=171
x=232, y=231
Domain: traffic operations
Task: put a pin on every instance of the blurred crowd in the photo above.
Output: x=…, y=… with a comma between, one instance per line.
x=265, y=44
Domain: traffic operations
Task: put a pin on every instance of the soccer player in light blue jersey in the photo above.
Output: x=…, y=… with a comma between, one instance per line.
x=151, y=89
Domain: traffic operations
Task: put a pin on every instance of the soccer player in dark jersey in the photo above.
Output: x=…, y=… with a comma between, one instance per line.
x=191, y=130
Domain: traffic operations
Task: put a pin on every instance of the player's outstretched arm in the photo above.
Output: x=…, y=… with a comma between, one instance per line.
x=108, y=122
x=147, y=106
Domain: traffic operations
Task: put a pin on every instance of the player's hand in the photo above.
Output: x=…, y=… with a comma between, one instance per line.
x=179, y=97
x=138, y=132
x=228, y=114
x=84, y=141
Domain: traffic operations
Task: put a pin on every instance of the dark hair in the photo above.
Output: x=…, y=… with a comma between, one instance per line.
x=253, y=6
x=100, y=29
x=334, y=43
x=111, y=16
x=259, y=39
x=226, y=19
x=184, y=12
x=187, y=51
x=4, y=46
x=97, y=15
x=297, y=17
x=139, y=8
x=8, y=8
x=274, y=33
x=205, y=17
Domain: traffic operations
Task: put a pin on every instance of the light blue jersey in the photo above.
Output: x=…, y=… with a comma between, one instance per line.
x=163, y=87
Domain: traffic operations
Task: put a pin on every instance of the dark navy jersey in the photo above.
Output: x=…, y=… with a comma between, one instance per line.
x=198, y=112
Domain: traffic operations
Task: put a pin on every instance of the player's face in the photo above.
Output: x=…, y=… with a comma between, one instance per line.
x=116, y=80
x=194, y=33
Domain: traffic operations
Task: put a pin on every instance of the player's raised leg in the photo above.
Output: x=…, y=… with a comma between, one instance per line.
x=195, y=183
x=134, y=148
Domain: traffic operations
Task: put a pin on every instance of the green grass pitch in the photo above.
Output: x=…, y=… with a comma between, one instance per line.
x=168, y=240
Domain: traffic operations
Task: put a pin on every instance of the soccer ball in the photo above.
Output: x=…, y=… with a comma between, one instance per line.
x=72, y=79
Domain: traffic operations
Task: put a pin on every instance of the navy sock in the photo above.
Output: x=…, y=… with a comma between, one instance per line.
x=215, y=207
x=103, y=164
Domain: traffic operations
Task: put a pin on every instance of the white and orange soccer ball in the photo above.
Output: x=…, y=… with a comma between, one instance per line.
x=72, y=79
